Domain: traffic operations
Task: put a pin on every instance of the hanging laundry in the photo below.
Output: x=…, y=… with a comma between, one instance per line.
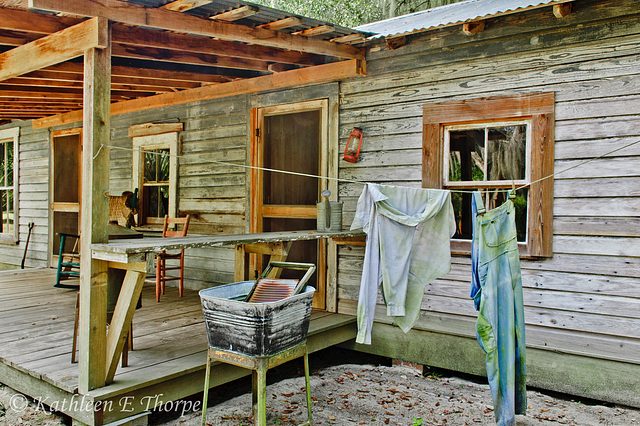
x=496, y=288
x=408, y=232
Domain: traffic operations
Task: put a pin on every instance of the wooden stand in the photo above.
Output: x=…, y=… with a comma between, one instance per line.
x=259, y=365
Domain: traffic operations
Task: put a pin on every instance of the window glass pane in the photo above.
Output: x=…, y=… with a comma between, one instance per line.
x=492, y=199
x=156, y=201
x=9, y=162
x=466, y=155
x=461, y=202
x=495, y=198
x=156, y=165
x=163, y=165
x=3, y=165
x=150, y=166
x=507, y=152
x=8, y=218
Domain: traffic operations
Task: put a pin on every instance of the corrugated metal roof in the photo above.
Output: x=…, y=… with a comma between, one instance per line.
x=266, y=14
x=452, y=14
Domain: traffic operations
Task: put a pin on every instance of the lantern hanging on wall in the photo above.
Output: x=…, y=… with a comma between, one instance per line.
x=352, y=150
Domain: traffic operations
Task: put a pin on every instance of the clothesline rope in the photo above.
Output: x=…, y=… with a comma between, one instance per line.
x=266, y=169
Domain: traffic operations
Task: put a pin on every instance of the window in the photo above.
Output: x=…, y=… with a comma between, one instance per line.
x=491, y=145
x=155, y=168
x=9, y=185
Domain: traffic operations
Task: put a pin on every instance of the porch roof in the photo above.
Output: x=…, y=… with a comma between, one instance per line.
x=158, y=47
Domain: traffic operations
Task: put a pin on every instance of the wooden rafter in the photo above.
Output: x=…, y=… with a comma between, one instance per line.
x=126, y=71
x=24, y=27
x=55, y=48
x=133, y=14
x=350, y=38
x=184, y=5
x=315, y=31
x=123, y=34
x=312, y=75
x=236, y=14
x=281, y=24
x=471, y=28
x=175, y=56
x=561, y=10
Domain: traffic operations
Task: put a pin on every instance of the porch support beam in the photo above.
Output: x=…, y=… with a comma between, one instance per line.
x=54, y=48
x=300, y=77
x=95, y=215
x=122, y=317
x=134, y=14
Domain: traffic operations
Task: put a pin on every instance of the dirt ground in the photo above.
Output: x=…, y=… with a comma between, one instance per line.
x=356, y=394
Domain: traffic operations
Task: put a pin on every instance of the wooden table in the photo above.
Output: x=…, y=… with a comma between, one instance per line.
x=131, y=256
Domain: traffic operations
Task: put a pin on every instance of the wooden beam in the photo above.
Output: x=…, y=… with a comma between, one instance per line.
x=32, y=25
x=135, y=14
x=121, y=320
x=281, y=24
x=184, y=57
x=95, y=216
x=127, y=35
x=350, y=38
x=315, y=31
x=147, y=73
x=561, y=10
x=148, y=129
x=184, y=5
x=300, y=77
x=394, y=43
x=236, y=14
x=471, y=28
x=55, y=48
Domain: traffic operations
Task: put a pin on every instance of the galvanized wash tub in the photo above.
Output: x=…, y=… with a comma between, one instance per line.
x=254, y=329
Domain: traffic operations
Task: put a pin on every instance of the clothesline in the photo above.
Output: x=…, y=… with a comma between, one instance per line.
x=266, y=169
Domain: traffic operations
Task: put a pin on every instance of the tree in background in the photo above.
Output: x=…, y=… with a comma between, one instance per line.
x=352, y=13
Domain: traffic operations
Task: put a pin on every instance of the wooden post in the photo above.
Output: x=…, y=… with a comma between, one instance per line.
x=94, y=214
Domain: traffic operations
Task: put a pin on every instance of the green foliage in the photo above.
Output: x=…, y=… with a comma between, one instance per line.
x=417, y=421
x=352, y=13
x=345, y=13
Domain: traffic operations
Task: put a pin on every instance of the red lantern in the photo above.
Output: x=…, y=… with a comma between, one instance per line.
x=352, y=150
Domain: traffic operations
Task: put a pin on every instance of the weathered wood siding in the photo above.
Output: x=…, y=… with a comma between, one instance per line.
x=214, y=194
x=33, y=193
x=584, y=301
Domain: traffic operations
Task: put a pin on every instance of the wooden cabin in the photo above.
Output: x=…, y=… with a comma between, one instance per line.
x=201, y=90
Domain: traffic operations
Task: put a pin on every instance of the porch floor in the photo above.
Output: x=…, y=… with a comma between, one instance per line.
x=170, y=344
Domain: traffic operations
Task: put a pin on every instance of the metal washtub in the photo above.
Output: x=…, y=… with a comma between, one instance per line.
x=254, y=329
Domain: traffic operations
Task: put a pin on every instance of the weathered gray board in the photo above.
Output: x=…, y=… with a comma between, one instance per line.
x=582, y=306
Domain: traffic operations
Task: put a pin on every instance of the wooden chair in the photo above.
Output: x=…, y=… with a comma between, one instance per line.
x=68, y=260
x=161, y=258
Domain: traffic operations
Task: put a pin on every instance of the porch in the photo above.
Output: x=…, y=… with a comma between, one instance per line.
x=170, y=343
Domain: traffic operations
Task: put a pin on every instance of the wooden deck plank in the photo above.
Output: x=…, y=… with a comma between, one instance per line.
x=170, y=340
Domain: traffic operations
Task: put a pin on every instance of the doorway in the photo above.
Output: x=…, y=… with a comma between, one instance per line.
x=294, y=138
x=66, y=187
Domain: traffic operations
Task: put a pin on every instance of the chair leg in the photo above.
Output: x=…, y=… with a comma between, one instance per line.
x=181, y=281
x=158, y=278
x=125, y=353
x=163, y=275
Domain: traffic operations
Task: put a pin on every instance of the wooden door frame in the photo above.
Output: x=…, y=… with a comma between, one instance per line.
x=257, y=210
x=63, y=207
